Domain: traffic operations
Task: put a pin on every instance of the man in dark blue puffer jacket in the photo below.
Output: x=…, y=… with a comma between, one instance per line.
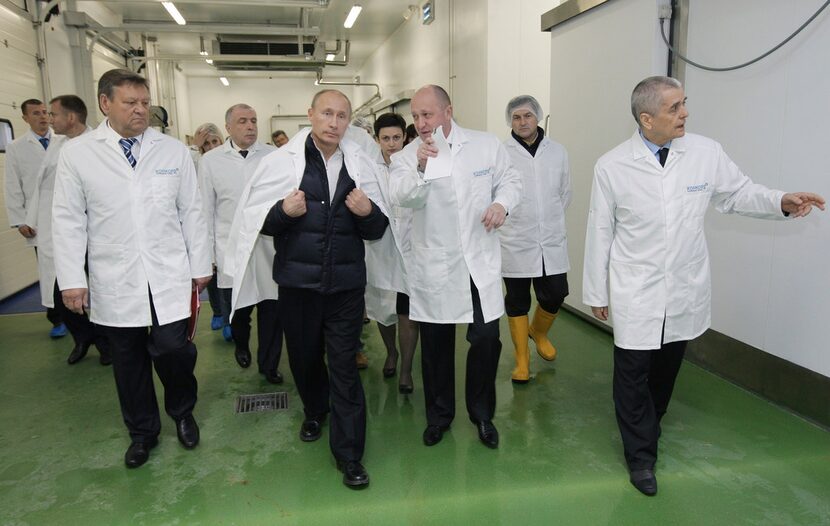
x=318, y=231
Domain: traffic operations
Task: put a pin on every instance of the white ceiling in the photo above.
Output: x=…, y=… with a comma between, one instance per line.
x=378, y=20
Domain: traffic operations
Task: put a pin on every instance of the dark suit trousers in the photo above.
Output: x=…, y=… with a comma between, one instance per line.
x=438, y=367
x=134, y=353
x=269, y=332
x=318, y=325
x=643, y=385
x=81, y=329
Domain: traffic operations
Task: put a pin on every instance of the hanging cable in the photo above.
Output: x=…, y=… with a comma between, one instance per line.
x=753, y=61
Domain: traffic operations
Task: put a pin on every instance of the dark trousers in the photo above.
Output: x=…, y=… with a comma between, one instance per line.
x=134, y=353
x=214, y=296
x=269, y=333
x=318, y=326
x=643, y=384
x=81, y=329
x=550, y=293
x=438, y=367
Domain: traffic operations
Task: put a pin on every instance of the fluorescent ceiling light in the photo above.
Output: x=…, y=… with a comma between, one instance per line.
x=330, y=57
x=353, y=14
x=171, y=8
x=224, y=81
x=209, y=60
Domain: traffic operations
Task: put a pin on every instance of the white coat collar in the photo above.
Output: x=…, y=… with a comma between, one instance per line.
x=296, y=149
x=32, y=137
x=639, y=149
x=150, y=137
x=228, y=148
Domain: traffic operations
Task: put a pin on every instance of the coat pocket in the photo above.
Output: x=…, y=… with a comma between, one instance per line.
x=107, y=264
x=429, y=268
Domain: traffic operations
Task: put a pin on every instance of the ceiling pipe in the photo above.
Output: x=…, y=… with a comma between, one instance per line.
x=360, y=108
x=195, y=27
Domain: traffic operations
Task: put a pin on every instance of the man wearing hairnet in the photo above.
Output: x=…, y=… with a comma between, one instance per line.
x=533, y=243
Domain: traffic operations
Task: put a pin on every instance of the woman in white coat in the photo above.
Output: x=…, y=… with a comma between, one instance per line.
x=533, y=242
x=386, y=299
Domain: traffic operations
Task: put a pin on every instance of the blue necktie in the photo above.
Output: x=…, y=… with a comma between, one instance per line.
x=127, y=146
x=44, y=141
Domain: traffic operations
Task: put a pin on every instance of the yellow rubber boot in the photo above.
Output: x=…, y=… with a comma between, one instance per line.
x=518, y=332
x=542, y=321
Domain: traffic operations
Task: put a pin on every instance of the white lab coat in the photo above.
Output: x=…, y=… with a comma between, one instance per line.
x=645, y=250
x=449, y=244
x=250, y=255
x=535, y=231
x=39, y=216
x=143, y=227
x=23, y=159
x=223, y=173
x=385, y=274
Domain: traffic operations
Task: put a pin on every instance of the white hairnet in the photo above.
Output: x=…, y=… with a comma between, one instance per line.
x=520, y=102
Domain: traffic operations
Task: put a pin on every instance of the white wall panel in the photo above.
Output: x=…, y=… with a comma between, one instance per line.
x=596, y=60
x=769, y=279
x=20, y=81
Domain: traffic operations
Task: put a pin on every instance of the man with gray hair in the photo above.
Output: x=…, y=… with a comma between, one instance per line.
x=646, y=257
x=224, y=172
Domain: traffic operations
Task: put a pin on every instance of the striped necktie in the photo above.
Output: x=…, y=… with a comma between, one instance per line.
x=127, y=146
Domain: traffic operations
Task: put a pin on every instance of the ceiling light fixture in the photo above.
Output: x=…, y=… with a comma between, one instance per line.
x=330, y=57
x=209, y=61
x=171, y=8
x=352, y=17
x=224, y=81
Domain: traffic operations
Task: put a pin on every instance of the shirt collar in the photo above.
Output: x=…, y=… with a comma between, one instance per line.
x=653, y=148
x=112, y=134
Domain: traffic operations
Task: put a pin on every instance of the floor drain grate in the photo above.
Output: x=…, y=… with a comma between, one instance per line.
x=255, y=403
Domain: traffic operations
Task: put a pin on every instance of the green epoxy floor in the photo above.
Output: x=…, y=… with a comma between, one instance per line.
x=727, y=457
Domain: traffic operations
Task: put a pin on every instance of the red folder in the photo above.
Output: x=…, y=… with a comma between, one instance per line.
x=195, y=305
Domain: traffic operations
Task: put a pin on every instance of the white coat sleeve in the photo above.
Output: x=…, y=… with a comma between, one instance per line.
x=598, y=239
x=407, y=187
x=209, y=206
x=69, y=226
x=735, y=193
x=15, y=198
x=507, y=183
x=565, y=188
x=34, y=202
x=194, y=227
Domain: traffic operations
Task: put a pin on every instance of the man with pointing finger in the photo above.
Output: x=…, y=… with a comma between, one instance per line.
x=313, y=197
x=461, y=186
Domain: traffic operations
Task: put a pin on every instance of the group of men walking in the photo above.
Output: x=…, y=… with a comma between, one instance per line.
x=439, y=223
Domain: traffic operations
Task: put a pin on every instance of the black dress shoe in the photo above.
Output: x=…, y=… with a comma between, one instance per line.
x=311, y=429
x=434, y=434
x=645, y=481
x=274, y=377
x=405, y=389
x=188, y=431
x=138, y=452
x=105, y=358
x=488, y=434
x=243, y=357
x=354, y=474
x=78, y=353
